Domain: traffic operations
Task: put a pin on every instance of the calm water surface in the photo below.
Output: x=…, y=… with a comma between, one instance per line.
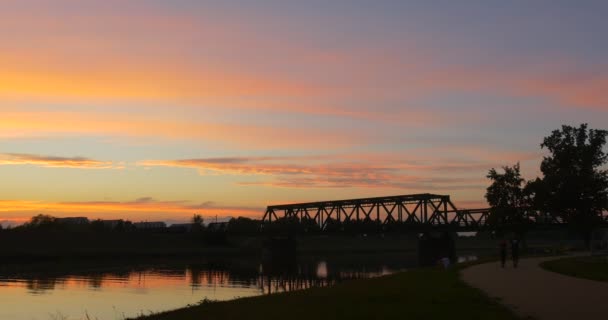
x=124, y=292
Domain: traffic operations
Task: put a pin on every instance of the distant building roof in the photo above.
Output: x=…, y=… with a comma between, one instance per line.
x=178, y=225
x=149, y=225
x=184, y=227
x=74, y=220
x=112, y=223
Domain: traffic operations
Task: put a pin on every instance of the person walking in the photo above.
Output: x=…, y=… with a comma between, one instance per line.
x=503, y=252
x=515, y=251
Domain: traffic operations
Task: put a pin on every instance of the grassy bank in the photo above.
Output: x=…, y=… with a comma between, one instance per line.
x=592, y=268
x=416, y=294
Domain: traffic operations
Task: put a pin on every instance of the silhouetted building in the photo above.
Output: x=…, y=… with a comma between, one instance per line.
x=112, y=224
x=150, y=225
x=181, y=227
x=73, y=220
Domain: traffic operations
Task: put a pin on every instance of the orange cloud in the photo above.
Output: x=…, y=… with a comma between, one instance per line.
x=152, y=83
x=53, y=162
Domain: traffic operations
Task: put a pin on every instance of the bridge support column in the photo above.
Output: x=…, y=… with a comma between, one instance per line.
x=433, y=246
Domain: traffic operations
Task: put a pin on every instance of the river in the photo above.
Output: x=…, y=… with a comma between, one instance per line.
x=123, y=291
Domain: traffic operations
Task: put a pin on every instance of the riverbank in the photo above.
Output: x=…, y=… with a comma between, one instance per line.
x=592, y=268
x=428, y=293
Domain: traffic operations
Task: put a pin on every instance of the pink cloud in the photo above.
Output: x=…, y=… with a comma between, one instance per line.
x=343, y=171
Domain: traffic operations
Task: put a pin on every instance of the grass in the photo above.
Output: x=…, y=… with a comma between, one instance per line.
x=415, y=294
x=592, y=268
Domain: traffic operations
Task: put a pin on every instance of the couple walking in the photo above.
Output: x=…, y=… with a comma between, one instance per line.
x=514, y=252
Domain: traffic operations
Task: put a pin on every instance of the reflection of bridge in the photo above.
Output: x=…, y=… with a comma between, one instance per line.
x=417, y=212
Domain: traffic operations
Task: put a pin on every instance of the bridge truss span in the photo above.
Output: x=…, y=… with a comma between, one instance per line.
x=421, y=212
x=415, y=210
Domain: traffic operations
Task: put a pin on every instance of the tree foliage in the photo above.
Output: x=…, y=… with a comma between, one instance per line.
x=506, y=196
x=575, y=185
x=198, y=223
x=243, y=225
x=41, y=221
x=506, y=188
x=197, y=219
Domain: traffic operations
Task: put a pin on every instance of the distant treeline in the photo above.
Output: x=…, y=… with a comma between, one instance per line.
x=45, y=223
x=238, y=226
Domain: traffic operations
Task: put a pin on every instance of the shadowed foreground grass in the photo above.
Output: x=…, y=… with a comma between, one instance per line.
x=592, y=268
x=416, y=294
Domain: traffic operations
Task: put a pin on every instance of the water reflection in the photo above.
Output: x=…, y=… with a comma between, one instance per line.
x=40, y=286
x=129, y=291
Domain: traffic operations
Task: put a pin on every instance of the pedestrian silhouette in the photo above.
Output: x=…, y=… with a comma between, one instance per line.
x=503, y=252
x=515, y=251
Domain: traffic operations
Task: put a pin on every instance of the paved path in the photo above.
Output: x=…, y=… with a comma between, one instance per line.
x=534, y=292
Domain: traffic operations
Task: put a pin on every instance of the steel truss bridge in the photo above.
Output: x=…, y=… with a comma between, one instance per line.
x=417, y=211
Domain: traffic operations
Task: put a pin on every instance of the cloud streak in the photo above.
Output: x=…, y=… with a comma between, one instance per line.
x=54, y=162
x=343, y=171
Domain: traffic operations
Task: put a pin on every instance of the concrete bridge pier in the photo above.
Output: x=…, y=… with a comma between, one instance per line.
x=434, y=246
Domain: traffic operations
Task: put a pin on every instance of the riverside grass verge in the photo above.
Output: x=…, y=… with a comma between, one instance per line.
x=586, y=267
x=426, y=293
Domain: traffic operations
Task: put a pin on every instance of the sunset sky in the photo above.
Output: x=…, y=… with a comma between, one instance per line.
x=157, y=110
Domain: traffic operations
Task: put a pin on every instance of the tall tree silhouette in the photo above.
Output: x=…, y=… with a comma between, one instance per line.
x=575, y=185
x=506, y=195
x=198, y=219
x=197, y=223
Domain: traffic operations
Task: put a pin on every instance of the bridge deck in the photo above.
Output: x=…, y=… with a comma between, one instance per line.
x=353, y=202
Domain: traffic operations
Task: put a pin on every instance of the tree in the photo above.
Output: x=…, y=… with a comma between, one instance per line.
x=506, y=197
x=576, y=185
x=197, y=223
x=42, y=220
x=243, y=225
x=198, y=219
x=333, y=225
x=535, y=196
x=310, y=225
